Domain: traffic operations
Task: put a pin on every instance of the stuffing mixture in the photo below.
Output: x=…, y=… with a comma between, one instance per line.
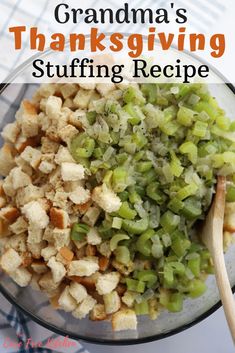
x=102, y=186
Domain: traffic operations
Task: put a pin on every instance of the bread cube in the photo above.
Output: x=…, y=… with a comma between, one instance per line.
x=124, y=319
x=21, y=276
x=66, y=301
x=78, y=291
x=107, y=283
x=10, y=261
x=72, y=171
x=112, y=302
x=84, y=308
x=85, y=267
x=36, y=214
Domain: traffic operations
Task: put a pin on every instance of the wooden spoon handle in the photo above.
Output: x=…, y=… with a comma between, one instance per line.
x=226, y=294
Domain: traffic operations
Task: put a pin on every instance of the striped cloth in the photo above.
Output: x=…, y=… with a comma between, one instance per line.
x=18, y=334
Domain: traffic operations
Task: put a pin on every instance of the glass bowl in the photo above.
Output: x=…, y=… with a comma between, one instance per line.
x=35, y=305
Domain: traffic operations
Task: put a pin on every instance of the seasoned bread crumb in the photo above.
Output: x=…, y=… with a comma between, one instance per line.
x=107, y=283
x=85, y=267
x=78, y=292
x=124, y=319
x=10, y=261
x=36, y=214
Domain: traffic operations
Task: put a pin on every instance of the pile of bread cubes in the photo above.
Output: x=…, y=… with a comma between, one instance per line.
x=43, y=192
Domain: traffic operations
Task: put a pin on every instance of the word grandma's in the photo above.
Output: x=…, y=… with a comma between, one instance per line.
x=135, y=44
x=86, y=68
x=125, y=14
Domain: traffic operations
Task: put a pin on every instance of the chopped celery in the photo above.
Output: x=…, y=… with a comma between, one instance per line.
x=135, y=227
x=175, y=205
x=126, y=212
x=122, y=254
x=175, y=165
x=185, y=116
x=117, y=223
x=157, y=148
x=180, y=246
x=206, y=107
x=119, y=179
x=133, y=94
x=142, y=308
x=192, y=208
x=148, y=276
x=143, y=167
x=195, y=266
x=196, y=288
x=230, y=195
x=153, y=192
x=91, y=117
x=190, y=149
x=134, y=197
x=143, y=244
x=187, y=191
x=82, y=146
x=135, y=286
x=79, y=231
x=199, y=129
x=175, y=303
x=123, y=196
x=169, y=221
x=116, y=239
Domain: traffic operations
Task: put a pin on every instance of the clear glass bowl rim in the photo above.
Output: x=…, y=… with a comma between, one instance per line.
x=55, y=329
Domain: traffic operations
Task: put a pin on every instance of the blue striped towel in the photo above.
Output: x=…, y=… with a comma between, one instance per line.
x=18, y=334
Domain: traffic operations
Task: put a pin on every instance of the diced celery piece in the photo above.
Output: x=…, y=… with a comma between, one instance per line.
x=175, y=165
x=223, y=123
x=143, y=167
x=133, y=94
x=230, y=195
x=117, y=223
x=200, y=129
x=116, y=239
x=91, y=117
x=134, y=197
x=187, y=191
x=135, y=286
x=175, y=303
x=122, y=254
x=192, y=208
x=148, y=276
x=185, y=116
x=190, y=149
x=207, y=107
x=180, y=246
x=142, y=308
x=126, y=212
x=196, y=288
x=194, y=265
x=82, y=146
x=79, y=231
x=170, y=128
x=123, y=196
x=119, y=179
x=135, y=227
x=155, y=194
x=169, y=221
x=143, y=244
x=175, y=205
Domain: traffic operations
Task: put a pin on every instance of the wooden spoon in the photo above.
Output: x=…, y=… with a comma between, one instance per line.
x=212, y=236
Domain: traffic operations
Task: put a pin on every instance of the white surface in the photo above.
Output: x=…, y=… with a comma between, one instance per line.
x=210, y=336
